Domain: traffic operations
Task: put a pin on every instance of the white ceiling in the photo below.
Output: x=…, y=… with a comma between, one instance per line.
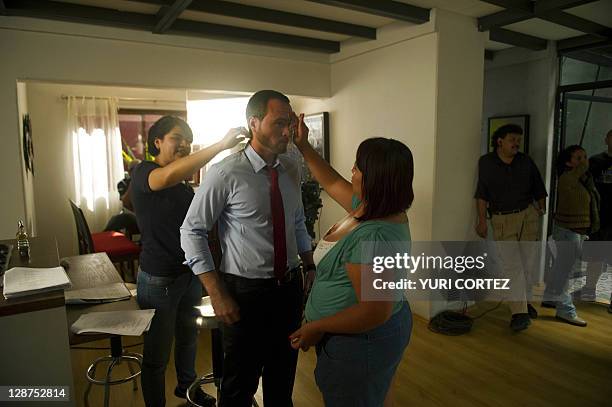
x=320, y=10
x=543, y=29
x=599, y=11
x=472, y=8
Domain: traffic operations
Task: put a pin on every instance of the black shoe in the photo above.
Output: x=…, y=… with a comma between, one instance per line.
x=549, y=304
x=201, y=398
x=519, y=322
x=533, y=314
x=610, y=308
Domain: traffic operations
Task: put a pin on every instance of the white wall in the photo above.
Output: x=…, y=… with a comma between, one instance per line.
x=460, y=71
x=386, y=91
x=72, y=53
x=12, y=176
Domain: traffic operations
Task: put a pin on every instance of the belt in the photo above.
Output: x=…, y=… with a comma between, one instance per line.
x=508, y=212
x=290, y=275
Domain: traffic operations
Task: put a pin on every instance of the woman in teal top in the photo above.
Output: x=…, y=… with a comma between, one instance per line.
x=360, y=333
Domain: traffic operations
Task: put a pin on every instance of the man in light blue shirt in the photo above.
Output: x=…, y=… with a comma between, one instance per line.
x=258, y=306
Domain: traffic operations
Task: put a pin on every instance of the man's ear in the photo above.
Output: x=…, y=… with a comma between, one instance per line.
x=253, y=123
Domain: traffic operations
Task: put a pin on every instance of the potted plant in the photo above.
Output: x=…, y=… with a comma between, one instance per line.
x=311, y=199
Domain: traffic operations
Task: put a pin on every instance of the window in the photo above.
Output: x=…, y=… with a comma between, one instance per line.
x=134, y=126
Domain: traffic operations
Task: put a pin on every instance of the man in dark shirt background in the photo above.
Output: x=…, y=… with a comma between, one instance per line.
x=509, y=185
x=600, y=166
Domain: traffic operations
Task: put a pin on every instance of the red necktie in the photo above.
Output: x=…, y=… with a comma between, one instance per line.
x=278, y=226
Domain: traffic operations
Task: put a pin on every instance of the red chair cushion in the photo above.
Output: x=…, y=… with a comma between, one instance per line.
x=114, y=244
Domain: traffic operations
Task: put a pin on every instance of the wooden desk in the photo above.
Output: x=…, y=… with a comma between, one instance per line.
x=34, y=349
x=43, y=253
x=86, y=271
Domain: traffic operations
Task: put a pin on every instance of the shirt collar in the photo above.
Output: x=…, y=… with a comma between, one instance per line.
x=499, y=161
x=257, y=162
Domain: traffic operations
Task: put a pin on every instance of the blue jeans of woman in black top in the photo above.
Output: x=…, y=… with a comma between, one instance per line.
x=174, y=300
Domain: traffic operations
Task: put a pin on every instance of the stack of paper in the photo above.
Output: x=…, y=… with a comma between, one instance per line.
x=101, y=294
x=21, y=281
x=125, y=323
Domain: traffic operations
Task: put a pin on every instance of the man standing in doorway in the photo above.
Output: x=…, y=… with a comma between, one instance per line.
x=511, y=190
x=257, y=293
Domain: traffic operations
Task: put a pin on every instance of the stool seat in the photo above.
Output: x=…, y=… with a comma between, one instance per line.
x=207, y=319
x=206, y=308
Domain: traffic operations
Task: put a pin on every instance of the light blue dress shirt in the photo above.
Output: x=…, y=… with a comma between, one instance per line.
x=236, y=193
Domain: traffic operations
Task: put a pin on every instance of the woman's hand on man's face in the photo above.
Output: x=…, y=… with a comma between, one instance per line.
x=299, y=130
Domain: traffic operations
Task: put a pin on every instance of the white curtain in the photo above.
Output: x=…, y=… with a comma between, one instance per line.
x=93, y=126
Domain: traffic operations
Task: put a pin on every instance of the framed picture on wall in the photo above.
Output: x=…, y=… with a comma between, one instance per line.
x=318, y=136
x=520, y=120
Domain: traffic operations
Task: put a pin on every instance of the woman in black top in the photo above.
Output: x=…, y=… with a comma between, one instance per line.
x=161, y=200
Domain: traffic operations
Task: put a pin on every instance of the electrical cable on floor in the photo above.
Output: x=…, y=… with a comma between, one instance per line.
x=487, y=311
x=455, y=323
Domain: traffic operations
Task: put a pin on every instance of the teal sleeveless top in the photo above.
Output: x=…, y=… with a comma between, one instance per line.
x=332, y=290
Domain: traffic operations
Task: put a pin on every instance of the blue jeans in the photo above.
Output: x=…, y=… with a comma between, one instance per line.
x=569, y=250
x=357, y=370
x=174, y=300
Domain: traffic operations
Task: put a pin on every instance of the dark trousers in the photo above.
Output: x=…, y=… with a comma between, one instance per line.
x=258, y=345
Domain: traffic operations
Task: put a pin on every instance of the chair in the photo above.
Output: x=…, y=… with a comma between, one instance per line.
x=116, y=245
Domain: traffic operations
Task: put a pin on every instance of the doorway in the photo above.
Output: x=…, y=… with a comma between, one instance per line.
x=584, y=119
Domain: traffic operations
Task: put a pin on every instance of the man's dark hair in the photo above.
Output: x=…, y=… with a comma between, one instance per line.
x=609, y=133
x=388, y=170
x=162, y=127
x=565, y=156
x=503, y=131
x=258, y=103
